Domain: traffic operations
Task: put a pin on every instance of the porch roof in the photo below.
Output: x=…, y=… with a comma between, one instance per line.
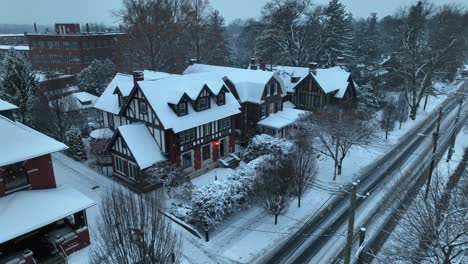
x=26, y=211
x=282, y=118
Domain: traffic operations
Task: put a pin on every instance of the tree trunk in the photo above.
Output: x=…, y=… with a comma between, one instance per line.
x=207, y=236
x=425, y=101
x=401, y=121
x=339, y=168
x=299, y=199
x=386, y=133
x=447, y=255
x=276, y=219
x=414, y=110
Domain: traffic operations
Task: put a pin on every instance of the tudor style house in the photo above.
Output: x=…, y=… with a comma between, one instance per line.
x=40, y=222
x=188, y=120
x=312, y=88
x=260, y=94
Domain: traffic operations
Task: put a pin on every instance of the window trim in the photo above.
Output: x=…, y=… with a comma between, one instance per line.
x=132, y=170
x=179, y=108
x=263, y=111
x=221, y=99
x=119, y=166
x=143, y=107
x=207, y=129
x=203, y=153
x=203, y=107
x=182, y=160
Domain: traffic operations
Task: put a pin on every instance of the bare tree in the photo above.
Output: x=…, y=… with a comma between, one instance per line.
x=336, y=133
x=132, y=229
x=402, y=108
x=273, y=184
x=389, y=117
x=60, y=117
x=303, y=163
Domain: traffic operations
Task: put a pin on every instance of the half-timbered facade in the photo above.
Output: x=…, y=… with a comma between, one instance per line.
x=312, y=88
x=189, y=120
x=260, y=93
x=41, y=221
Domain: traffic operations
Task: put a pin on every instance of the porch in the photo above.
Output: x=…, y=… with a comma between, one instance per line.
x=281, y=123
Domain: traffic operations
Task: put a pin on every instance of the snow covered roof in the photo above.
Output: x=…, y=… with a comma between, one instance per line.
x=109, y=101
x=288, y=104
x=15, y=47
x=249, y=83
x=5, y=106
x=102, y=133
x=334, y=79
x=25, y=211
x=19, y=142
x=171, y=90
x=85, y=97
x=282, y=119
x=141, y=143
x=42, y=77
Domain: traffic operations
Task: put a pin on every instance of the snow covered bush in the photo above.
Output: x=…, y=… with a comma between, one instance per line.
x=265, y=145
x=182, y=211
x=164, y=172
x=75, y=144
x=214, y=202
x=96, y=76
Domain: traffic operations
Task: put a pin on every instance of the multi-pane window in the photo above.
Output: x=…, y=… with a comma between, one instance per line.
x=203, y=103
x=182, y=109
x=224, y=123
x=186, y=160
x=278, y=106
x=16, y=177
x=263, y=111
x=272, y=89
x=207, y=129
x=122, y=100
x=187, y=136
x=206, y=152
x=132, y=170
x=119, y=165
x=143, y=108
x=220, y=99
x=110, y=120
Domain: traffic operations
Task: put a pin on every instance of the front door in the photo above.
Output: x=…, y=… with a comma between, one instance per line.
x=221, y=148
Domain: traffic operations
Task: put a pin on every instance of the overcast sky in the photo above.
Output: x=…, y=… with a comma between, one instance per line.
x=51, y=11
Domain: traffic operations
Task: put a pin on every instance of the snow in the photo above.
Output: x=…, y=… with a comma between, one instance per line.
x=42, y=77
x=102, y=133
x=5, y=106
x=334, y=79
x=21, y=214
x=249, y=84
x=109, y=101
x=19, y=47
x=141, y=143
x=171, y=90
x=19, y=142
x=289, y=104
x=84, y=97
x=210, y=176
x=283, y=118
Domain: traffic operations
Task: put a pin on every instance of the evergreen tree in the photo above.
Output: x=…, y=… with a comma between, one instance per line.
x=337, y=33
x=18, y=84
x=215, y=40
x=75, y=144
x=95, y=78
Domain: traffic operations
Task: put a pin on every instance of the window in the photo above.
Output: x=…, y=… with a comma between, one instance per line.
x=278, y=106
x=272, y=89
x=110, y=120
x=187, y=136
x=203, y=103
x=132, y=170
x=263, y=111
x=16, y=177
x=186, y=160
x=220, y=99
x=207, y=129
x=224, y=123
x=143, y=108
x=182, y=109
x=119, y=165
x=122, y=100
x=206, y=154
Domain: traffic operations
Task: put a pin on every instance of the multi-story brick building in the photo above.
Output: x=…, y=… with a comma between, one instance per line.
x=41, y=221
x=13, y=39
x=69, y=50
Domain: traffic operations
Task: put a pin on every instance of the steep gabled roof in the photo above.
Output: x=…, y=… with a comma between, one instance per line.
x=249, y=84
x=170, y=90
x=19, y=142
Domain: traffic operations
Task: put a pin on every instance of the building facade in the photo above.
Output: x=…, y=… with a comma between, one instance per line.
x=41, y=221
x=189, y=121
x=69, y=50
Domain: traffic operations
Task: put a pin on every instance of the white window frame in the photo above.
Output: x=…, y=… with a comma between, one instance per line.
x=119, y=167
x=143, y=107
x=263, y=111
x=203, y=106
x=207, y=130
x=179, y=108
x=132, y=170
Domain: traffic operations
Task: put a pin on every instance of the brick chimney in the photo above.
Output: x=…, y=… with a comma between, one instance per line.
x=313, y=67
x=253, y=63
x=138, y=76
x=339, y=61
x=193, y=61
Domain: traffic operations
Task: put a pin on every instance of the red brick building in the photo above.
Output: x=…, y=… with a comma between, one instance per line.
x=40, y=220
x=69, y=50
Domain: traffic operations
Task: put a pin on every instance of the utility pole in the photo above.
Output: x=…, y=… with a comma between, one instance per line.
x=362, y=238
x=435, y=137
x=454, y=135
x=352, y=212
x=337, y=147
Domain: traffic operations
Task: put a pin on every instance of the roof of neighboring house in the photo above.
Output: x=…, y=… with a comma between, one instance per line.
x=161, y=92
x=15, y=47
x=26, y=211
x=75, y=101
x=282, y=119
x=249, y=84
x=84, y=97
x=19, y=142
x=5, y=106
x=141, y=143
x=102, y=133
x=109, y=101
x=334, y=79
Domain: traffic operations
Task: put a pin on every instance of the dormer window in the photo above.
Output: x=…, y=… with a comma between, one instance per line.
x=182, y=109
x=220, y=99
x=122, y=100
x=295, y=79
x=203, y=103
x=16, y=178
